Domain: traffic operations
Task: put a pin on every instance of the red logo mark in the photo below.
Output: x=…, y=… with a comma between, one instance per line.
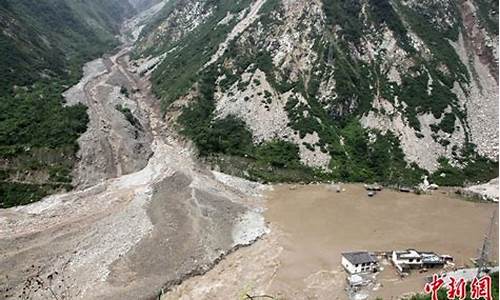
x=480, y=288
x=434, y=286
x=457, y=289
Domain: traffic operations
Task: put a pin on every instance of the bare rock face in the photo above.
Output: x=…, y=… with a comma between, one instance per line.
x=478, y=50
x=432, y=64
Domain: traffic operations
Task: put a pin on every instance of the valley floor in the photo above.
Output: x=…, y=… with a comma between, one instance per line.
x=145, y=214
x=312, y=225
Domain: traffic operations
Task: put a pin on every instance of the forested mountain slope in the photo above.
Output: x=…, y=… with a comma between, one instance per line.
x=53, y=37
x=43, y=45
x=362, y=90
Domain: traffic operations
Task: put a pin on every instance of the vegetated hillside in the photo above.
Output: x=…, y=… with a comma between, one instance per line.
x=53, y=37
x=363, y=90
x=43, y=45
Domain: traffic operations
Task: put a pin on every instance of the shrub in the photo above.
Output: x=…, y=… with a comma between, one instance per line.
x=129, y=116
x=278, y=153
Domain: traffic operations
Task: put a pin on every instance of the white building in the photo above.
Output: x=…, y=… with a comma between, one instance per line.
x=359, y=262
x=412, y=259
x=408, y=259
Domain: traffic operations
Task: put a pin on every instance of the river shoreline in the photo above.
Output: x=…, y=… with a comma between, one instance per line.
x=312, y=224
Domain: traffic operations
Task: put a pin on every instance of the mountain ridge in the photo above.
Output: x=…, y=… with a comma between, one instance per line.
x=337, y=75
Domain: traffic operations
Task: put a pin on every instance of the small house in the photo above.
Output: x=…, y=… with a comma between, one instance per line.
x=412, y=259
x=406, y=260
x=359, y=262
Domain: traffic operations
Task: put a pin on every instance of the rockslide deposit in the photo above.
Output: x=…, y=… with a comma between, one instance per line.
x=146, y=214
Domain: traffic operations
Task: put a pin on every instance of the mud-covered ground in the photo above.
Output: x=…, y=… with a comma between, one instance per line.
x=145, y=215
x=112, y=146
x=312, y=225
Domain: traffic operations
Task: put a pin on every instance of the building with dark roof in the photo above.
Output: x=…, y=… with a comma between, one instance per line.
x=359, y=262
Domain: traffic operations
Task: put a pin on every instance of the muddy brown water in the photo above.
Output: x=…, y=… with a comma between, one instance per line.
x=319, y=224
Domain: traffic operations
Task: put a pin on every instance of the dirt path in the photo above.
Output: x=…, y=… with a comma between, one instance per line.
x=146, y=214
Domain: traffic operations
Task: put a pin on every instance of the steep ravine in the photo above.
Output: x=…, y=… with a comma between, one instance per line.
x=146, y=214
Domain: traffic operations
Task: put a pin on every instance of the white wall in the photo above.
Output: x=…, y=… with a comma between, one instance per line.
x=348, y=266
x=359, y=269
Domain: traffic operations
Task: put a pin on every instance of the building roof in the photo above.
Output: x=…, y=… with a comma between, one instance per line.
x=359, y=257
x=432, y=258
x=421, y=256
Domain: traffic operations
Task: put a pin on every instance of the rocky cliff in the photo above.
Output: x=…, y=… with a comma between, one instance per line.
x=357, y=90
